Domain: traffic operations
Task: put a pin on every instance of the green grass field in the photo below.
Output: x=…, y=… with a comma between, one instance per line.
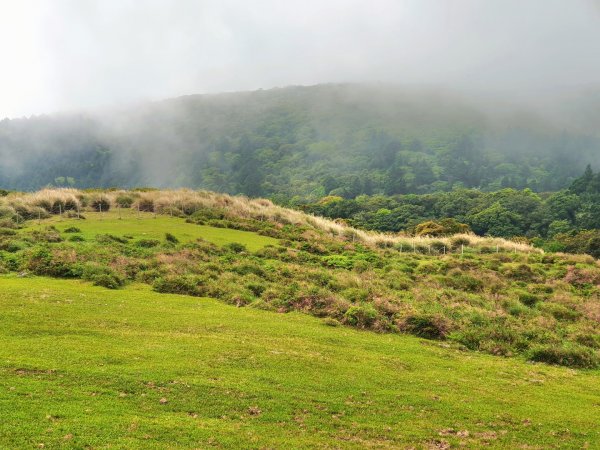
x=86, y=367
x=150, y=226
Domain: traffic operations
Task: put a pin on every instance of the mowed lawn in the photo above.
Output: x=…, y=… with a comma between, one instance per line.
x=86, y=367
x=149, y=226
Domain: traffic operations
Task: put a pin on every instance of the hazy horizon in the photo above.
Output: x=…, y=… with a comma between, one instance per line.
x=71, y=55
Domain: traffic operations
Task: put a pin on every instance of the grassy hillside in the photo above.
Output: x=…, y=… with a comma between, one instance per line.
x=150, y=226
x=490, y=295
x=86, y=367
x=301, y=142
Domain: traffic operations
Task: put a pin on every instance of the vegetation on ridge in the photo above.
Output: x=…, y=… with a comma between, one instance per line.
x=481, y=294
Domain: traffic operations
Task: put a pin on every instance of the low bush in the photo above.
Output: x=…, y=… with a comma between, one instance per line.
x=578, y=357
x=171, y=238
x=528, y=299
x=100, y=203
x=109, y=281
x=236, y=247
x=147, y=243
x=144, y=205
x=361, y=316
x=124, y=201
x=426, y=326
x=181, y=284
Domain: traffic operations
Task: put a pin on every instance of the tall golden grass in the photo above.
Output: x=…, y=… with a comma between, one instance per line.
x=189, y=201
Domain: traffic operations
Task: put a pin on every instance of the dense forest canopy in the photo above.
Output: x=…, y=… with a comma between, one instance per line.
x=300, y=143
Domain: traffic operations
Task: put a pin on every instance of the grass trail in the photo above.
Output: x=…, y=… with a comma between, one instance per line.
x=85, y=367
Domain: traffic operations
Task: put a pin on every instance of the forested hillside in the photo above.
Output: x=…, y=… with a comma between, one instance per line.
x=299, y=142
x=566, y=220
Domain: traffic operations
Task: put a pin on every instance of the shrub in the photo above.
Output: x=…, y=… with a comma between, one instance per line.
x=145, y=205
x=72, y=230
x=443, y=227
x=180, y=284
x=110, y=281
x=589, y=340
x=236, y=247
x=240, y=298
x=458, y=242
x=76, y=238
x=331, y=322
x=110, y=238
x=361, y=266
x=516, y=309
x=338, y=261
x=361, y=316
x=356, y=295
x=148, y=276
x=427, y=326
x=571, y=357
x=124, y=201
x=49, y=234
x=171, y=238
x=528, y=299
x=561, y=312
x=464, y=282
x=100, y=203
x=40, y=260
x=431, y=267
x=521, y=272
x=148, y=243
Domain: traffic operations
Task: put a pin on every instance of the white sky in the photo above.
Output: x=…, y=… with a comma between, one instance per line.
x=71, y=54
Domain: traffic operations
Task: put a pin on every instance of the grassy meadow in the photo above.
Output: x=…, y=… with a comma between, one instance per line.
x=146, y=225
x=181, y=319
x=86, y=367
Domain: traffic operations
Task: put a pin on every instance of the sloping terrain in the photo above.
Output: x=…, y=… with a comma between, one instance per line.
x=86, y=367
x=483, y=294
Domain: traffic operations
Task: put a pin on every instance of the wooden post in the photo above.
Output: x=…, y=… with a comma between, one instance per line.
x=462, y=249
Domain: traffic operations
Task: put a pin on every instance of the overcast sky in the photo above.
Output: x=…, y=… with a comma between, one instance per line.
x=72, y=54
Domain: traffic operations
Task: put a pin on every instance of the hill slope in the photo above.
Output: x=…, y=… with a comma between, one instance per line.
x=299, y=141
x=137, y=369
x=484, y=294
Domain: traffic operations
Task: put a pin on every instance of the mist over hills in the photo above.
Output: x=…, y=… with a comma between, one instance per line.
x=307, y=142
